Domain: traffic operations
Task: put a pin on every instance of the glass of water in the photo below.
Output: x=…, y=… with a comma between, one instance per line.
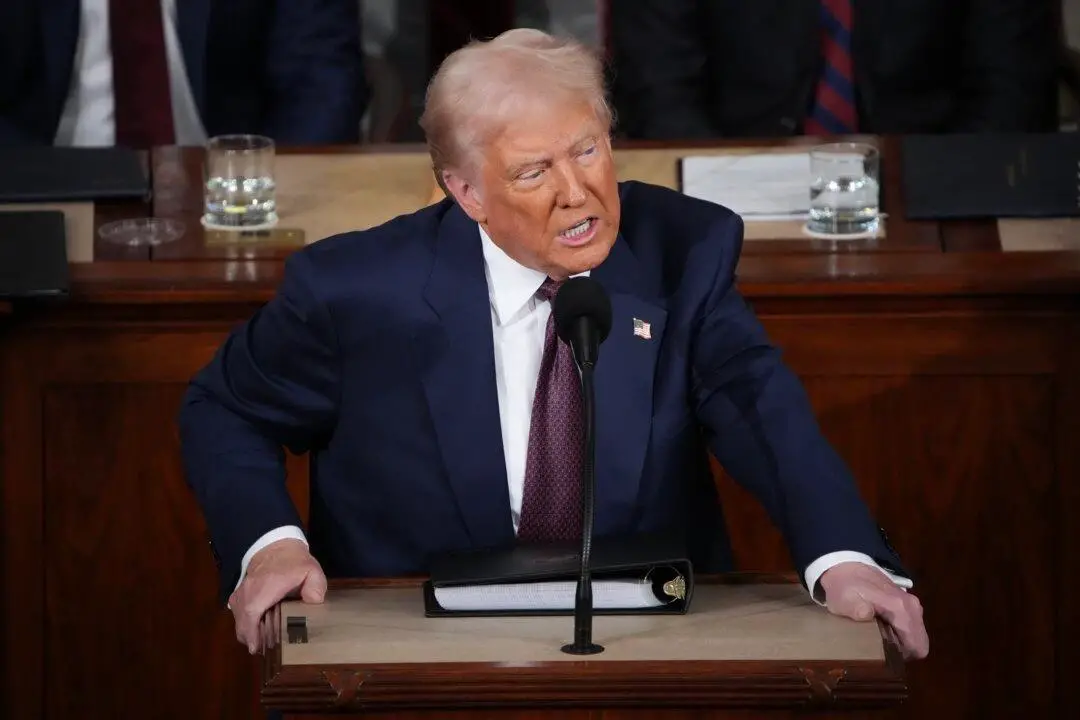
x=240, y=190
x=844, y=189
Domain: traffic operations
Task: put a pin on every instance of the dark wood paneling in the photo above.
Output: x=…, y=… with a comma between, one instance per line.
x=901, y=344
x=644, y=714
x=465, y=715
x=959, y=470
x=640, y=714
x=112, y=599
x=22, y=512
x=123, y=530
x=971, y=236
x=1065, y=519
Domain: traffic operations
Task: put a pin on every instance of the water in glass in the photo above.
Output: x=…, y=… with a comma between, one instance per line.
x=240, y=201
x=844, y=189
x=240, y=187
x=844, y=205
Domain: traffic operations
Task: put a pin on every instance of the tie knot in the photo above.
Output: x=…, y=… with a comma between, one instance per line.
x=548, y=289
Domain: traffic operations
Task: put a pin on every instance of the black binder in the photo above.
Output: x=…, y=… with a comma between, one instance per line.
x=33, y=255
x=66, y=174
x=991, y=176
x=658, y=560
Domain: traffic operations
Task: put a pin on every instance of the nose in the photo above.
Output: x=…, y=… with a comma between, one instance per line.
x=571, y=188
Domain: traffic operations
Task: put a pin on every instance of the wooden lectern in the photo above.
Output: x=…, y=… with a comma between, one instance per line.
x=751, y=646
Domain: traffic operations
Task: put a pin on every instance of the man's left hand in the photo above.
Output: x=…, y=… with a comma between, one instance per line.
x=862, y=592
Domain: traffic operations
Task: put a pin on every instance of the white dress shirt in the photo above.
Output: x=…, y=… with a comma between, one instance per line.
x=88, y=118
x=519, y=323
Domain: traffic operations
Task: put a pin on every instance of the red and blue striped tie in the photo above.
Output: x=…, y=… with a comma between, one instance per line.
x=834, y=102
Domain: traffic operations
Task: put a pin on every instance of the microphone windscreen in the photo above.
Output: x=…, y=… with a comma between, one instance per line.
x=582, y=297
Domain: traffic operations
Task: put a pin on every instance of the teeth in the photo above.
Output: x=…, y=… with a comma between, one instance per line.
x=578, y=229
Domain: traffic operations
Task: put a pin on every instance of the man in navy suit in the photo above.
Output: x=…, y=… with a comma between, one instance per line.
x=416, y=363
x=141, y=73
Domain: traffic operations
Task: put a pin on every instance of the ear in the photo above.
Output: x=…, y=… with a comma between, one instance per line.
x=466, y=194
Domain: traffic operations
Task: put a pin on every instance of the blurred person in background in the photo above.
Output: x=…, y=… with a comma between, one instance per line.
x=139, y=74
x=710, y=68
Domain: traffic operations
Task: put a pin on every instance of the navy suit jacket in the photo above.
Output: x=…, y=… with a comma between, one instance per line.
x=377, y=356
x=290, y=69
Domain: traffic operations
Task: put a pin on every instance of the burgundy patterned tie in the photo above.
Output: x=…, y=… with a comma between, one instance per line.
x=140, y=74
x=551, y=506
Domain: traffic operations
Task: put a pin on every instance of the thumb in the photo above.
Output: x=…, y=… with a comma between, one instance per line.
x=852, y=604
x=314, y=587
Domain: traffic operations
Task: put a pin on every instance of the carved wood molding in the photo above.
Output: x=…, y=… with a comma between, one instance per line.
x=582, y=684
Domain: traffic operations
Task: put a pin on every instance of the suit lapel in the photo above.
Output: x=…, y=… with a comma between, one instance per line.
x=624, y=386
x=60, y=37
x=192, y=27
x=458, y=361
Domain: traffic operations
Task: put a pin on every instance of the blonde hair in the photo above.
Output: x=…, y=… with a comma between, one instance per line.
x=479, y=87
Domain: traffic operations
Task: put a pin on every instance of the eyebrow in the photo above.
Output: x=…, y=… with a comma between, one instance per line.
x=517, y=168
x=585, y=139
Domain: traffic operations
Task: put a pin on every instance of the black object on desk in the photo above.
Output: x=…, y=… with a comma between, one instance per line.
x=296, y=629
x=33, y=255
x=63, y=174
x=991, y=176
x=656, y=560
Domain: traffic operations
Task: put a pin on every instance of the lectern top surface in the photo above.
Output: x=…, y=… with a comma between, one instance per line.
x=767, y=622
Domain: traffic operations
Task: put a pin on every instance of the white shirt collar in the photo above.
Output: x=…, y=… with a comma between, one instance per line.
x=511, y=285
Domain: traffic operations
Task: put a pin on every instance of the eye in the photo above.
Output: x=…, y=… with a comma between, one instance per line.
x=531, y=174
x=591, y=150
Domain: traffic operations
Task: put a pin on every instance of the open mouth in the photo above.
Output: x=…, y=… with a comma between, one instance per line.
x=580, y=233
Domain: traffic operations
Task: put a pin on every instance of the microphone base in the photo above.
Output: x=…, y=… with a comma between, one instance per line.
x=586, y=649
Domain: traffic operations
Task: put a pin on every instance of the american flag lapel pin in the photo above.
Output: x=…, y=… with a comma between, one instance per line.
x=642, y=329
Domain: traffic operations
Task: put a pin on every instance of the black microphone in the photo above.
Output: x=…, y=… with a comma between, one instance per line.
x=582, y=312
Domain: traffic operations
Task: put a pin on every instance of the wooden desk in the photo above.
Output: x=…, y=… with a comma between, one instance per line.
x=946, y=378
x=749, y=643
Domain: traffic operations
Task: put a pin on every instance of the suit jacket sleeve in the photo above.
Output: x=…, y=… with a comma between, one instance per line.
x=318, y=92
x=272, y=384
x=660, y=69
x=1009, y=66
x=762, y=428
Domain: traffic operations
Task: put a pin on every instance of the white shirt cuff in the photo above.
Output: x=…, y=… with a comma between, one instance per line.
x=817, y=568
x=285, y=532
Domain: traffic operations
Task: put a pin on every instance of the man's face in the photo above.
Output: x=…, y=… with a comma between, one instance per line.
x=546, y=191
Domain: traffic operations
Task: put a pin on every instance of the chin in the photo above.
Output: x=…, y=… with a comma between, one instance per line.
x=588, y=257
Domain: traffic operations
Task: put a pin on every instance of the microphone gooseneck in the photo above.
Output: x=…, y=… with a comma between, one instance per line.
x=582, y=313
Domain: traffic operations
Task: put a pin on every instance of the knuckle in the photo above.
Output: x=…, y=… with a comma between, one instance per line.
x=899, y=607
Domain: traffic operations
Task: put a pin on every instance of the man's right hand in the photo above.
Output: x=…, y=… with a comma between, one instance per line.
x=282, y=569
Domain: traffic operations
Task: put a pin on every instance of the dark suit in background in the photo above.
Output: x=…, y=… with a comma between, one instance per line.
x=290, y=69
x=709, y=68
